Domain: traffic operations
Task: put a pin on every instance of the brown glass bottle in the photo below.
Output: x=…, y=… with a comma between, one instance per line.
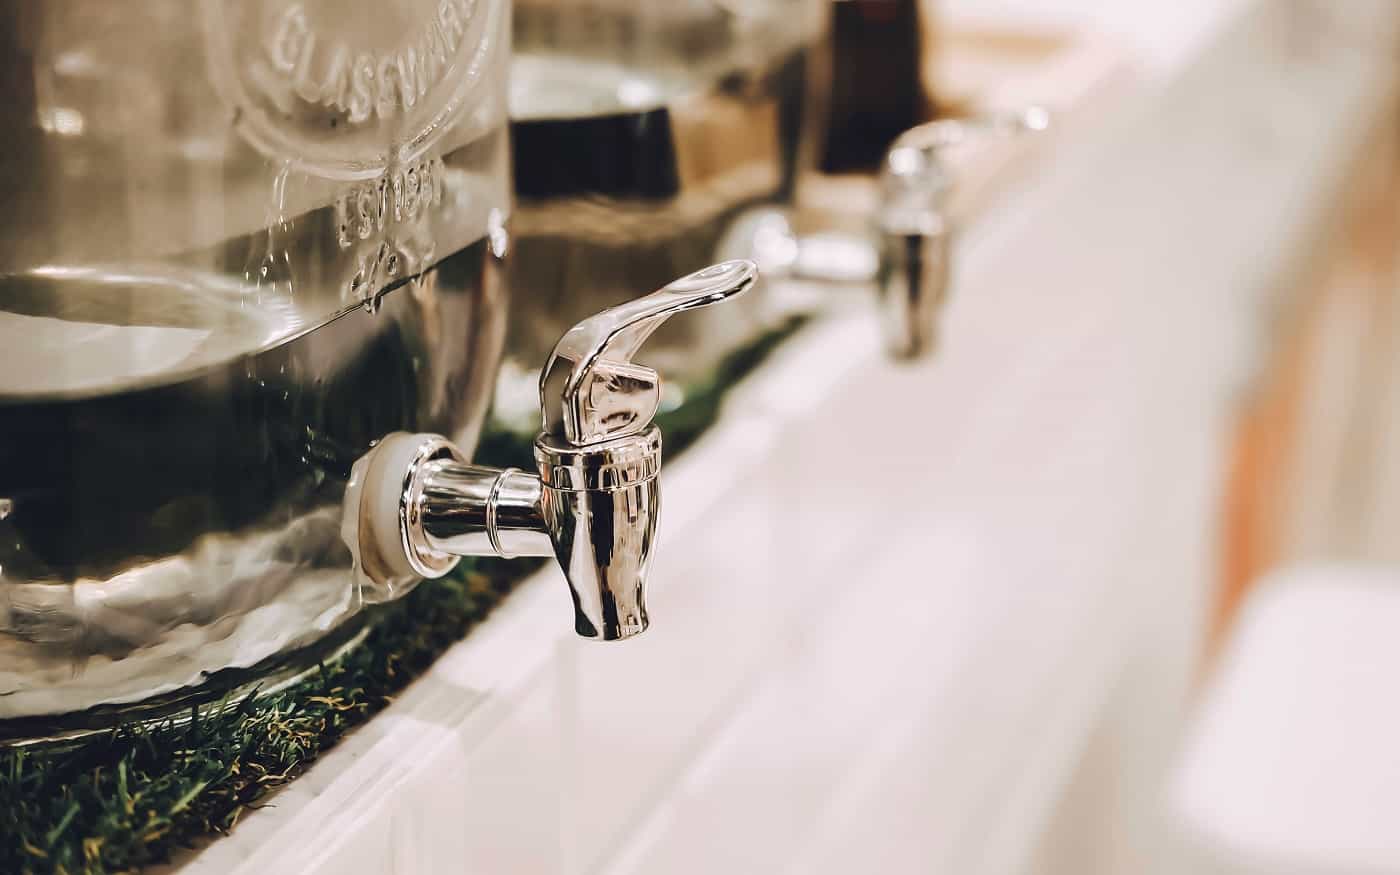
x=877, y=86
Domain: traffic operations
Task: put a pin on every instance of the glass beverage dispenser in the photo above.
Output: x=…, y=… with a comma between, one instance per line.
x=243, y=240
x=640, y=130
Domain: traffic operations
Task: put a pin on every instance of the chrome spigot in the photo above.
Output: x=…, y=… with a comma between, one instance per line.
x=415, y=505
x=915, y=226
x=907, y=252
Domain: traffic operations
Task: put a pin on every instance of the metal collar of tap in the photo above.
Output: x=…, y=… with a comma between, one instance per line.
x=607, y=466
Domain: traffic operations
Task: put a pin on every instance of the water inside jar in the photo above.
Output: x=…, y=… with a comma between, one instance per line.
x=70, y=331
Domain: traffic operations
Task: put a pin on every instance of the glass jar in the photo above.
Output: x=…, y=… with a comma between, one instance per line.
x=243, y=240
x=640, y=132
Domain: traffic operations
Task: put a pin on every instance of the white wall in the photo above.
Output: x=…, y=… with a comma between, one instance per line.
x=1162, y=33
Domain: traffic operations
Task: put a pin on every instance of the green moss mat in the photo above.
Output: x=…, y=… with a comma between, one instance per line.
x=136, y=795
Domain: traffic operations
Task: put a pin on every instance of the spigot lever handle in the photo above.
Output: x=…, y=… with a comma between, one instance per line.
x=943, y=133
x=589, y=389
